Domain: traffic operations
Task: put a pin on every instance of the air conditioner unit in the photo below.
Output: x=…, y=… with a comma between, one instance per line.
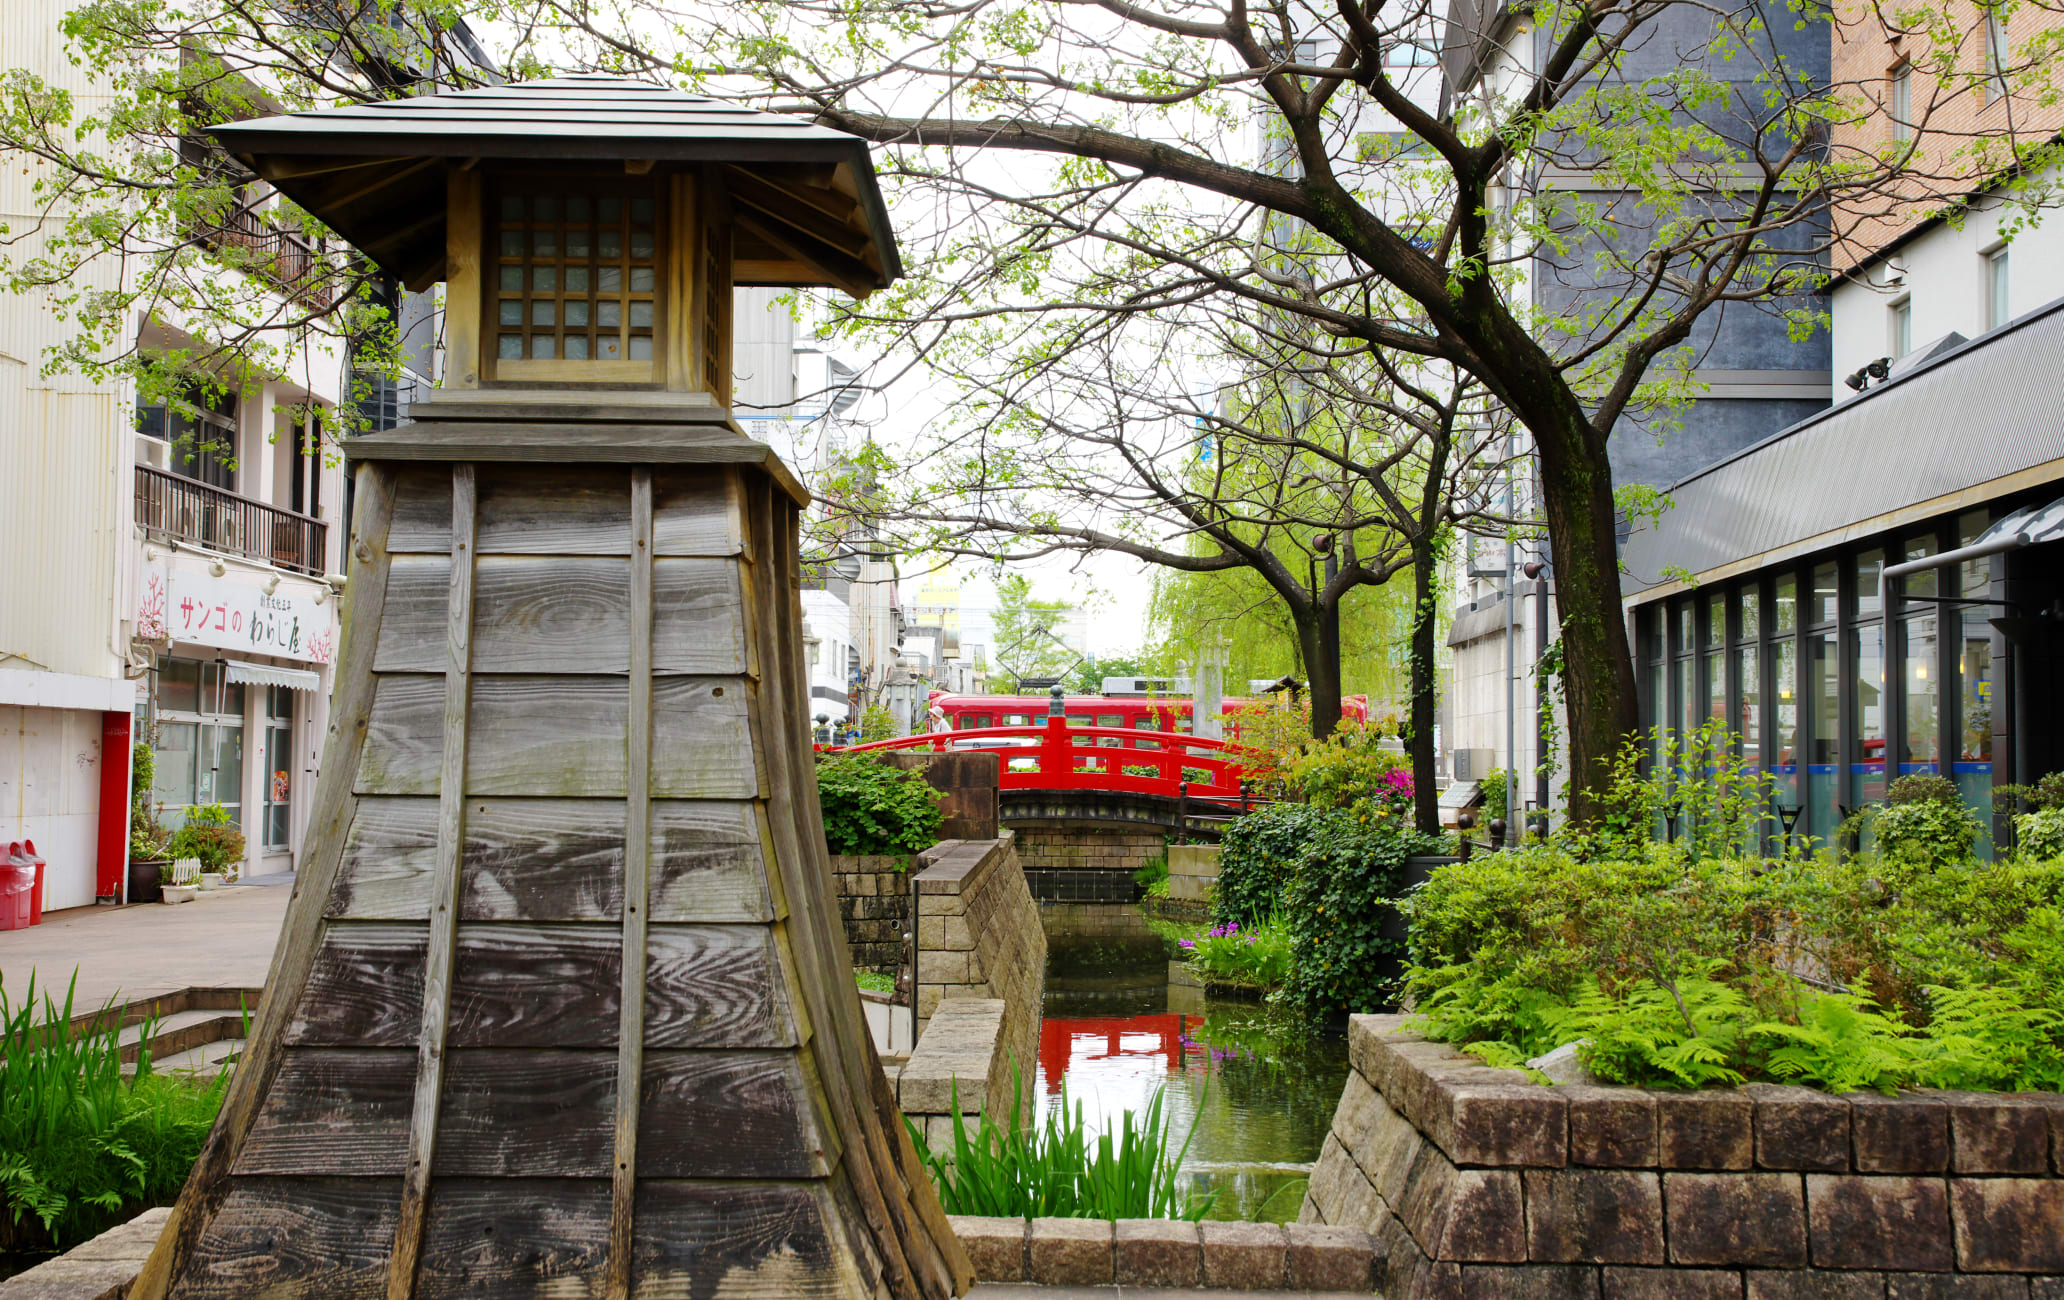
x=1470, y=764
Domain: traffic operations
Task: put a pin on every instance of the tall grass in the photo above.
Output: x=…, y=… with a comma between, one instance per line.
x=79, y=1143
x=1058, y=1168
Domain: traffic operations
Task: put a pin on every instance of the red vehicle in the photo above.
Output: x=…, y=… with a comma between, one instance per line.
x=1139, y=713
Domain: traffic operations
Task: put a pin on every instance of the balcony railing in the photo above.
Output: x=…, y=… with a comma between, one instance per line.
x=181, y=508
x=281, y=256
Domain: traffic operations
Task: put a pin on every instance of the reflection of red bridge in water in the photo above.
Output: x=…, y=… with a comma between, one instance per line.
x=1066, y=1041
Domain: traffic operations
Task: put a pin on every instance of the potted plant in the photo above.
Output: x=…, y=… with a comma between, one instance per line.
x=211, y=836
x=148, y=838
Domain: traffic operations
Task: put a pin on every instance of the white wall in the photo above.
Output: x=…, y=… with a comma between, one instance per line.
x=50, y=793
x=1945, y=276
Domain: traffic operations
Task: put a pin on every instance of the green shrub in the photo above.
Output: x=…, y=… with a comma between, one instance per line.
x=1152, y=877
x=872, y=808
x=1058, y=1168
x=1923, y=787
x=211, y=836
x=1682, y=971
x=1348, y=768
x=1341, y=908
x=2040, y=834
x=1255, y=957
x=1926, y=828
x=147, y=835
x=1493, y=787
x=80, y=1145
x=1256, y=857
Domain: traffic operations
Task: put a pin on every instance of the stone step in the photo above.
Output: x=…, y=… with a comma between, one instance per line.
x=180, y=1032
x=206, y=1060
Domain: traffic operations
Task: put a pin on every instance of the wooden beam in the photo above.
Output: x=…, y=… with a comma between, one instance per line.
x=396, y=238
x=277, y=169
x=350, y=189
x=463, y=233
x=638, y=166
x=444, y=895
x=857, y=279
x=786, y=207
x=637, y=847
x=826, y=200
x=682, y=249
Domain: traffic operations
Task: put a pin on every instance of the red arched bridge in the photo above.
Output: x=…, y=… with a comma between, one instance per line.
x=1099, y=776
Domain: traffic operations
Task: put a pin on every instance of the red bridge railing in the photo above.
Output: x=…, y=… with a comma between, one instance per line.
x=1056, y=756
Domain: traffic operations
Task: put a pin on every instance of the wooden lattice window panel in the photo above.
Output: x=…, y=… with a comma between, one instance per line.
x=576, y=274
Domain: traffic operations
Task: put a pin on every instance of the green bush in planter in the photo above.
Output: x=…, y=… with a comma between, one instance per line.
x=2040, y=835
x=211, y=836
x=1924, y=817
x=1344, y=892
x=872, y=808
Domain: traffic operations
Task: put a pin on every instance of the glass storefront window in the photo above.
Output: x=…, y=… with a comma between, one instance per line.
x=178, y=759
x=1716, y=619
x=200, y=726
x=1972, y=769
x=1716, y=688
x=278, y=784
x=1923, y=752
x=1784, y=766
x=1922, y=583
x=1748, y=613
x=1870, y=601
x=1748, y=719
x=1785, y=606
x=1687, y=700
x=1867, y=709
x=1824, y=686
x=1826, y=595
x=179, y=685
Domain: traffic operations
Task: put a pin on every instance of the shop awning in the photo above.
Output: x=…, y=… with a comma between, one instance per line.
x=2025, y=527
x=294, y=679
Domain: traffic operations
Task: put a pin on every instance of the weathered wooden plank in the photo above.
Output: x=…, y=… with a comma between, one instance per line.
x=531, y=735
x=520, y=1113
x=715, y=986
x=515, y=1239
x=698, y=623
x=708, y=862
x=702, y=745
x=338, y=1110
x=422, y=510
x=553, y=860
x=637, y=861
x=463, y=299
x=364, y=988
x=727, y=1115
x=692, y=515
x=308, y=1236
x=532, y=614
x=443, y=921
x=526, y=510
x=750, y=1241
x=412, y=626
x=536, y=986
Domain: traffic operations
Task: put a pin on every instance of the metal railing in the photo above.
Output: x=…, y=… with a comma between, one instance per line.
x=281, y=256
x=195, y=512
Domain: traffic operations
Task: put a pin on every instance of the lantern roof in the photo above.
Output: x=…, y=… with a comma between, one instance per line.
x=808, y=208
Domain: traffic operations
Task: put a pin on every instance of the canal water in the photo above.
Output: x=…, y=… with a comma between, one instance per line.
x=1255, y=1091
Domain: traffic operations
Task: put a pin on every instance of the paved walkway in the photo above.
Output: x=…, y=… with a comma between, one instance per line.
x=147, y=949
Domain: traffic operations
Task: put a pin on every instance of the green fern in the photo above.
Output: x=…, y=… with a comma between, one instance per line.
x=1991, y=1038
x=1684, y=1032
x=1842, y=1043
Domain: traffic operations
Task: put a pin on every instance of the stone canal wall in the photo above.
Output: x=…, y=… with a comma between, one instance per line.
x=874, y=905
x=979, y=937
x=1477, y=1181
x=1077, y=865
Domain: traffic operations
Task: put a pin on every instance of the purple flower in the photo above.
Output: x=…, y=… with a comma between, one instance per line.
x=1187, y=943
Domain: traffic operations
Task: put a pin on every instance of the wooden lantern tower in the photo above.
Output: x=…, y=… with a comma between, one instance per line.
x=562, y=1006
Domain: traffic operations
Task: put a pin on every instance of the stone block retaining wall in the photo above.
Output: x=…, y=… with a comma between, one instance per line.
x=1479, y=1182
x=1192, y=872
x=960, y=1058
x=1165, y=1253
x=979, y=937
x=1084, y=865
x=874, y=904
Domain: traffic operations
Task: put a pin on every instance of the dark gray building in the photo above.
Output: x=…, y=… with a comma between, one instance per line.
x=1758, y=378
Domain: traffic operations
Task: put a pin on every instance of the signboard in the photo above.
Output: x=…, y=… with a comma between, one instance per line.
x=231, y=615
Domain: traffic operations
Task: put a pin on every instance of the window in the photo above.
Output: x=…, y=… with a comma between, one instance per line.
x=576, y=275
x=1996, y=288
x=1899, y=102
x=204, y=443
x=279, y=764
x=1902, y=327
x=1998, y=54
x=200, y=723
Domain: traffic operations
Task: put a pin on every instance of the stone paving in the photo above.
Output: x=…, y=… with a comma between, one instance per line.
x=1002, y=1291
x=151, y=948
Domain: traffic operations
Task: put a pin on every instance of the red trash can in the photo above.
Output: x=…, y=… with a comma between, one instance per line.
x=36, y=892
x=16, y=884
